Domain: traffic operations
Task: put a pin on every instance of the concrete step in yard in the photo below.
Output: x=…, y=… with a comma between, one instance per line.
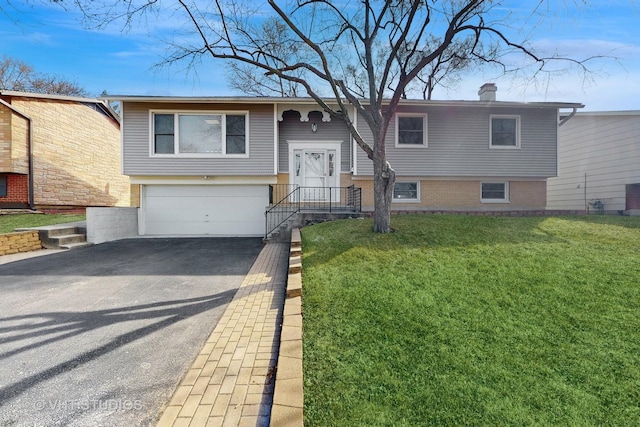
x=69, y=241
x=64, y=236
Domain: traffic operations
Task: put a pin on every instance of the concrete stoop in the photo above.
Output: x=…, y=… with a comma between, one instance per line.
x=288, y=400
x=283, y=233
x=64, y=236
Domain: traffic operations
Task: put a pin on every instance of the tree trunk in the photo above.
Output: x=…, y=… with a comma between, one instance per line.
x=383, y=183
x=384, y=179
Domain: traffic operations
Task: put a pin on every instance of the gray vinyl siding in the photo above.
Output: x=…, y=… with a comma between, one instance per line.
x=292, y=129
x=136, y=143
x=458, y=145
x=606, y=148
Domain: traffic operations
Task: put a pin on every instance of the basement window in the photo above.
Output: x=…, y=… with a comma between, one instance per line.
x=495, y=192
x=406, y=192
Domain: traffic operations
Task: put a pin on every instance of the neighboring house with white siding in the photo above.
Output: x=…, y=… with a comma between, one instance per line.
x=211, y=165
x=599, y=163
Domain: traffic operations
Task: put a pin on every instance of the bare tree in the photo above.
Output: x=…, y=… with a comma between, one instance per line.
x=445, y=71
x=278, y=47
x=55, y=85
x=20, y=76
x=14, y=74
x=365, y=54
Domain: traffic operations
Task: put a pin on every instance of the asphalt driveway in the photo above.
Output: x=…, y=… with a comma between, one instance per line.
x=100, y=336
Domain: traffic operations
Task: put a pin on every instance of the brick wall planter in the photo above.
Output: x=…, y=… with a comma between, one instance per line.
x=24, y=241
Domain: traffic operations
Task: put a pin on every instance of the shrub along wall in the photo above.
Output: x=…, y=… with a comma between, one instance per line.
x=23, y=241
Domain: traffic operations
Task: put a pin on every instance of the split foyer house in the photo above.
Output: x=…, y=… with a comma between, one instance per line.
x=211, y=165
x=599, y=164
x=59, y=152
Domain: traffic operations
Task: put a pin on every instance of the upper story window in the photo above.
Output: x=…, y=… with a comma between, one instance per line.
x=504, y=131
x=199, y=134
x=411, y=130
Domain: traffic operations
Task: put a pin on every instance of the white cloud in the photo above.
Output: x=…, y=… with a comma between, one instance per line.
x=583, y=48
x=612, y=92
x=36, y=38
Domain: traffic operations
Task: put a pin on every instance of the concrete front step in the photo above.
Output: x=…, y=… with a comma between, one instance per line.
x=75, y=245
x=60, y=231
x=73, y=239
x=69, y=239
x=284, y=233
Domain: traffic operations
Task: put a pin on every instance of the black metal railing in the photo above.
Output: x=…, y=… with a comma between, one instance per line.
x=286, y=200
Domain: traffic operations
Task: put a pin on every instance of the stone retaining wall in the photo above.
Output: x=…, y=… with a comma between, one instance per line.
x=24, y=241
x=288, y=400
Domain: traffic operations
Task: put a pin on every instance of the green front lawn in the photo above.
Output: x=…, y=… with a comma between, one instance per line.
x=464, y=320
x=9, y=222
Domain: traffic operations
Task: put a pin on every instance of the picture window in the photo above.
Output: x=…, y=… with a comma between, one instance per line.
x=199, y=134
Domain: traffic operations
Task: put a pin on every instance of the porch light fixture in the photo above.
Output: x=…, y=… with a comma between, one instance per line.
x=314, y=127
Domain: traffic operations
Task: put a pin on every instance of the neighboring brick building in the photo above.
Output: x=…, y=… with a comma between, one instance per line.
x=72, y=147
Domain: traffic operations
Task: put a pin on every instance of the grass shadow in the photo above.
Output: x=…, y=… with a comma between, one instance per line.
x=322, y=242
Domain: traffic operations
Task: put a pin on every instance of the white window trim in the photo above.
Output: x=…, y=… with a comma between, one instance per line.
x=176, y=136
x=416, y=200
x=506, y=192
x=504, y=147
x=425, y=131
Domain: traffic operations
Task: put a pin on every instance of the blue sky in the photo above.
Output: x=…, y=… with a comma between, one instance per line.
x=54, y=41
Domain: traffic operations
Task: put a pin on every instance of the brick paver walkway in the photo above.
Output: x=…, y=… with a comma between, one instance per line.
x=231, y=381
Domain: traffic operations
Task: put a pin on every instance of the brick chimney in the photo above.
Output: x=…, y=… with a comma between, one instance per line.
x=488, y=91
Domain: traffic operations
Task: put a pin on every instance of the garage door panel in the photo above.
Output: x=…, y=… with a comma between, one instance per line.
x=211, y=190
x=205, y=210
x=202, y=209
x=196, y=228
x=244, y=214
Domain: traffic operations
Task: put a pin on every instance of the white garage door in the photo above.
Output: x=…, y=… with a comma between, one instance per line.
x=204, y=210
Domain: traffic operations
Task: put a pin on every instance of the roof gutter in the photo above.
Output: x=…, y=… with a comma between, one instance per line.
x=29, y=149
x=311, y=101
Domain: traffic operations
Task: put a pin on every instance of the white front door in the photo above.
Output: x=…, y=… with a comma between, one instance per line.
x=315, y=169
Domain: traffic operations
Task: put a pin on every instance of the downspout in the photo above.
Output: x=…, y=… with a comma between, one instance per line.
x=566, y=119
x=29, y=150
x=30, y=159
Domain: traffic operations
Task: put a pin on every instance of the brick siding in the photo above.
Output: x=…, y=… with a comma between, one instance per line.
x=76, y=154
x=13, y=142
x=633, y=196
x=135, y=196
x=461, y=195
x=17, y=189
